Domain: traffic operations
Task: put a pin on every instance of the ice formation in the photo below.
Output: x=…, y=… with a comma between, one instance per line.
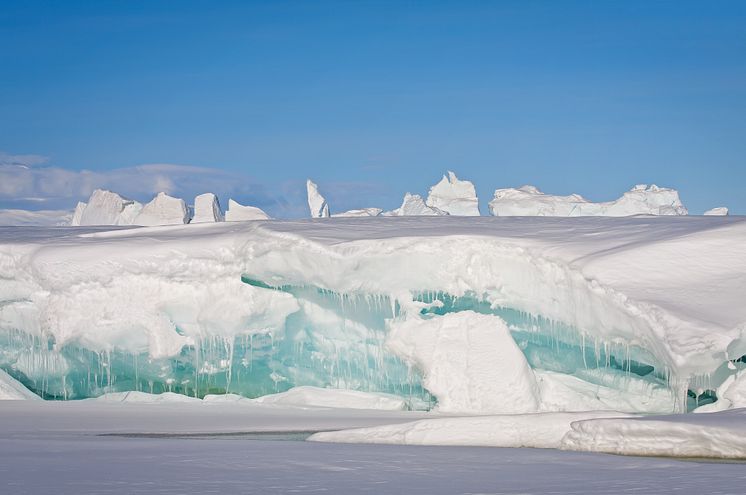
x=163, y=210
x=640, y=200
x=316, y=202
x=454, y=196
x=637, y=314
x=238, y=213
x=719, y=211
x=414, y=205
x=207, y=209
x=470, y=362
x=106, y=208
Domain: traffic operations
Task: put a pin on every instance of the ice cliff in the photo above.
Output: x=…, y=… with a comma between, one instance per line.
x=545, y=314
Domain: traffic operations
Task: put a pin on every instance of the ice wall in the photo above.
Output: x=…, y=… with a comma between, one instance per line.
x=640, y=200
x=633, y=314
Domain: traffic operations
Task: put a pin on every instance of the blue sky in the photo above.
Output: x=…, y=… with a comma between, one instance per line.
x=371, y=99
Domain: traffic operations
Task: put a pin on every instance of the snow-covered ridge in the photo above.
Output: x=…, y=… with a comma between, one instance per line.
x=598, y=306
x=640, y=200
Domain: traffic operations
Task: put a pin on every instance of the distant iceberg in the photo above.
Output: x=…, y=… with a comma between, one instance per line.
x=640, y=200
x=454, y=196
x=316, y=202
x=239, y=213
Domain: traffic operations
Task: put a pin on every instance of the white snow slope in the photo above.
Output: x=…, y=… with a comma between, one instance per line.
x=640, y=200
x=12, y=389
x=666, y=292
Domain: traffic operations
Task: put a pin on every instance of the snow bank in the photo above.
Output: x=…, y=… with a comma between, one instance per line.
x=719, y=211
x=106, y=208
x=239, y=213
x=207, y=209
x=414, y=205
x=363, y=212
x=316, y=202
x=163, y=210
x=454, y=196
x=325, y=397
x=35, y=218
x=144, y=397
x=469, y=362
x=640, y=200
x=12, y=389
x=718, y=435
x=541, y=430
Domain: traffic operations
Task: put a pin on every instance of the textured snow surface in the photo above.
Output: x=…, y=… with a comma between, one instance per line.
x=542, y=430
x=68, y=448
x=324, y=397
x=640, y=200
x=163, y=210
x=239, y=213
x=454, y=196
x=12, y=389
x=316, y=202
x=207, y=209
x=470, y=362
x=624, y=313
x=35, y=218
x=715, y=435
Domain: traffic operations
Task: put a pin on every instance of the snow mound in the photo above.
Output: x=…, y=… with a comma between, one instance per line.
x=362, y=212
x=207, y=209
x=719, y=435
x=316, y=202
x=335, y=398
x=40, y=218
x=640, y=200
x=240, y=213
x=470, y=362
x=144, y=397
x=720, y=211
x=107, y=208
x=454, y=196
x=163, y=210
x=414, y=205
x=12, y=389
x=541, y=430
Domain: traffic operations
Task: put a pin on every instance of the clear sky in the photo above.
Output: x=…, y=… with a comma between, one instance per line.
x=371, y=99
